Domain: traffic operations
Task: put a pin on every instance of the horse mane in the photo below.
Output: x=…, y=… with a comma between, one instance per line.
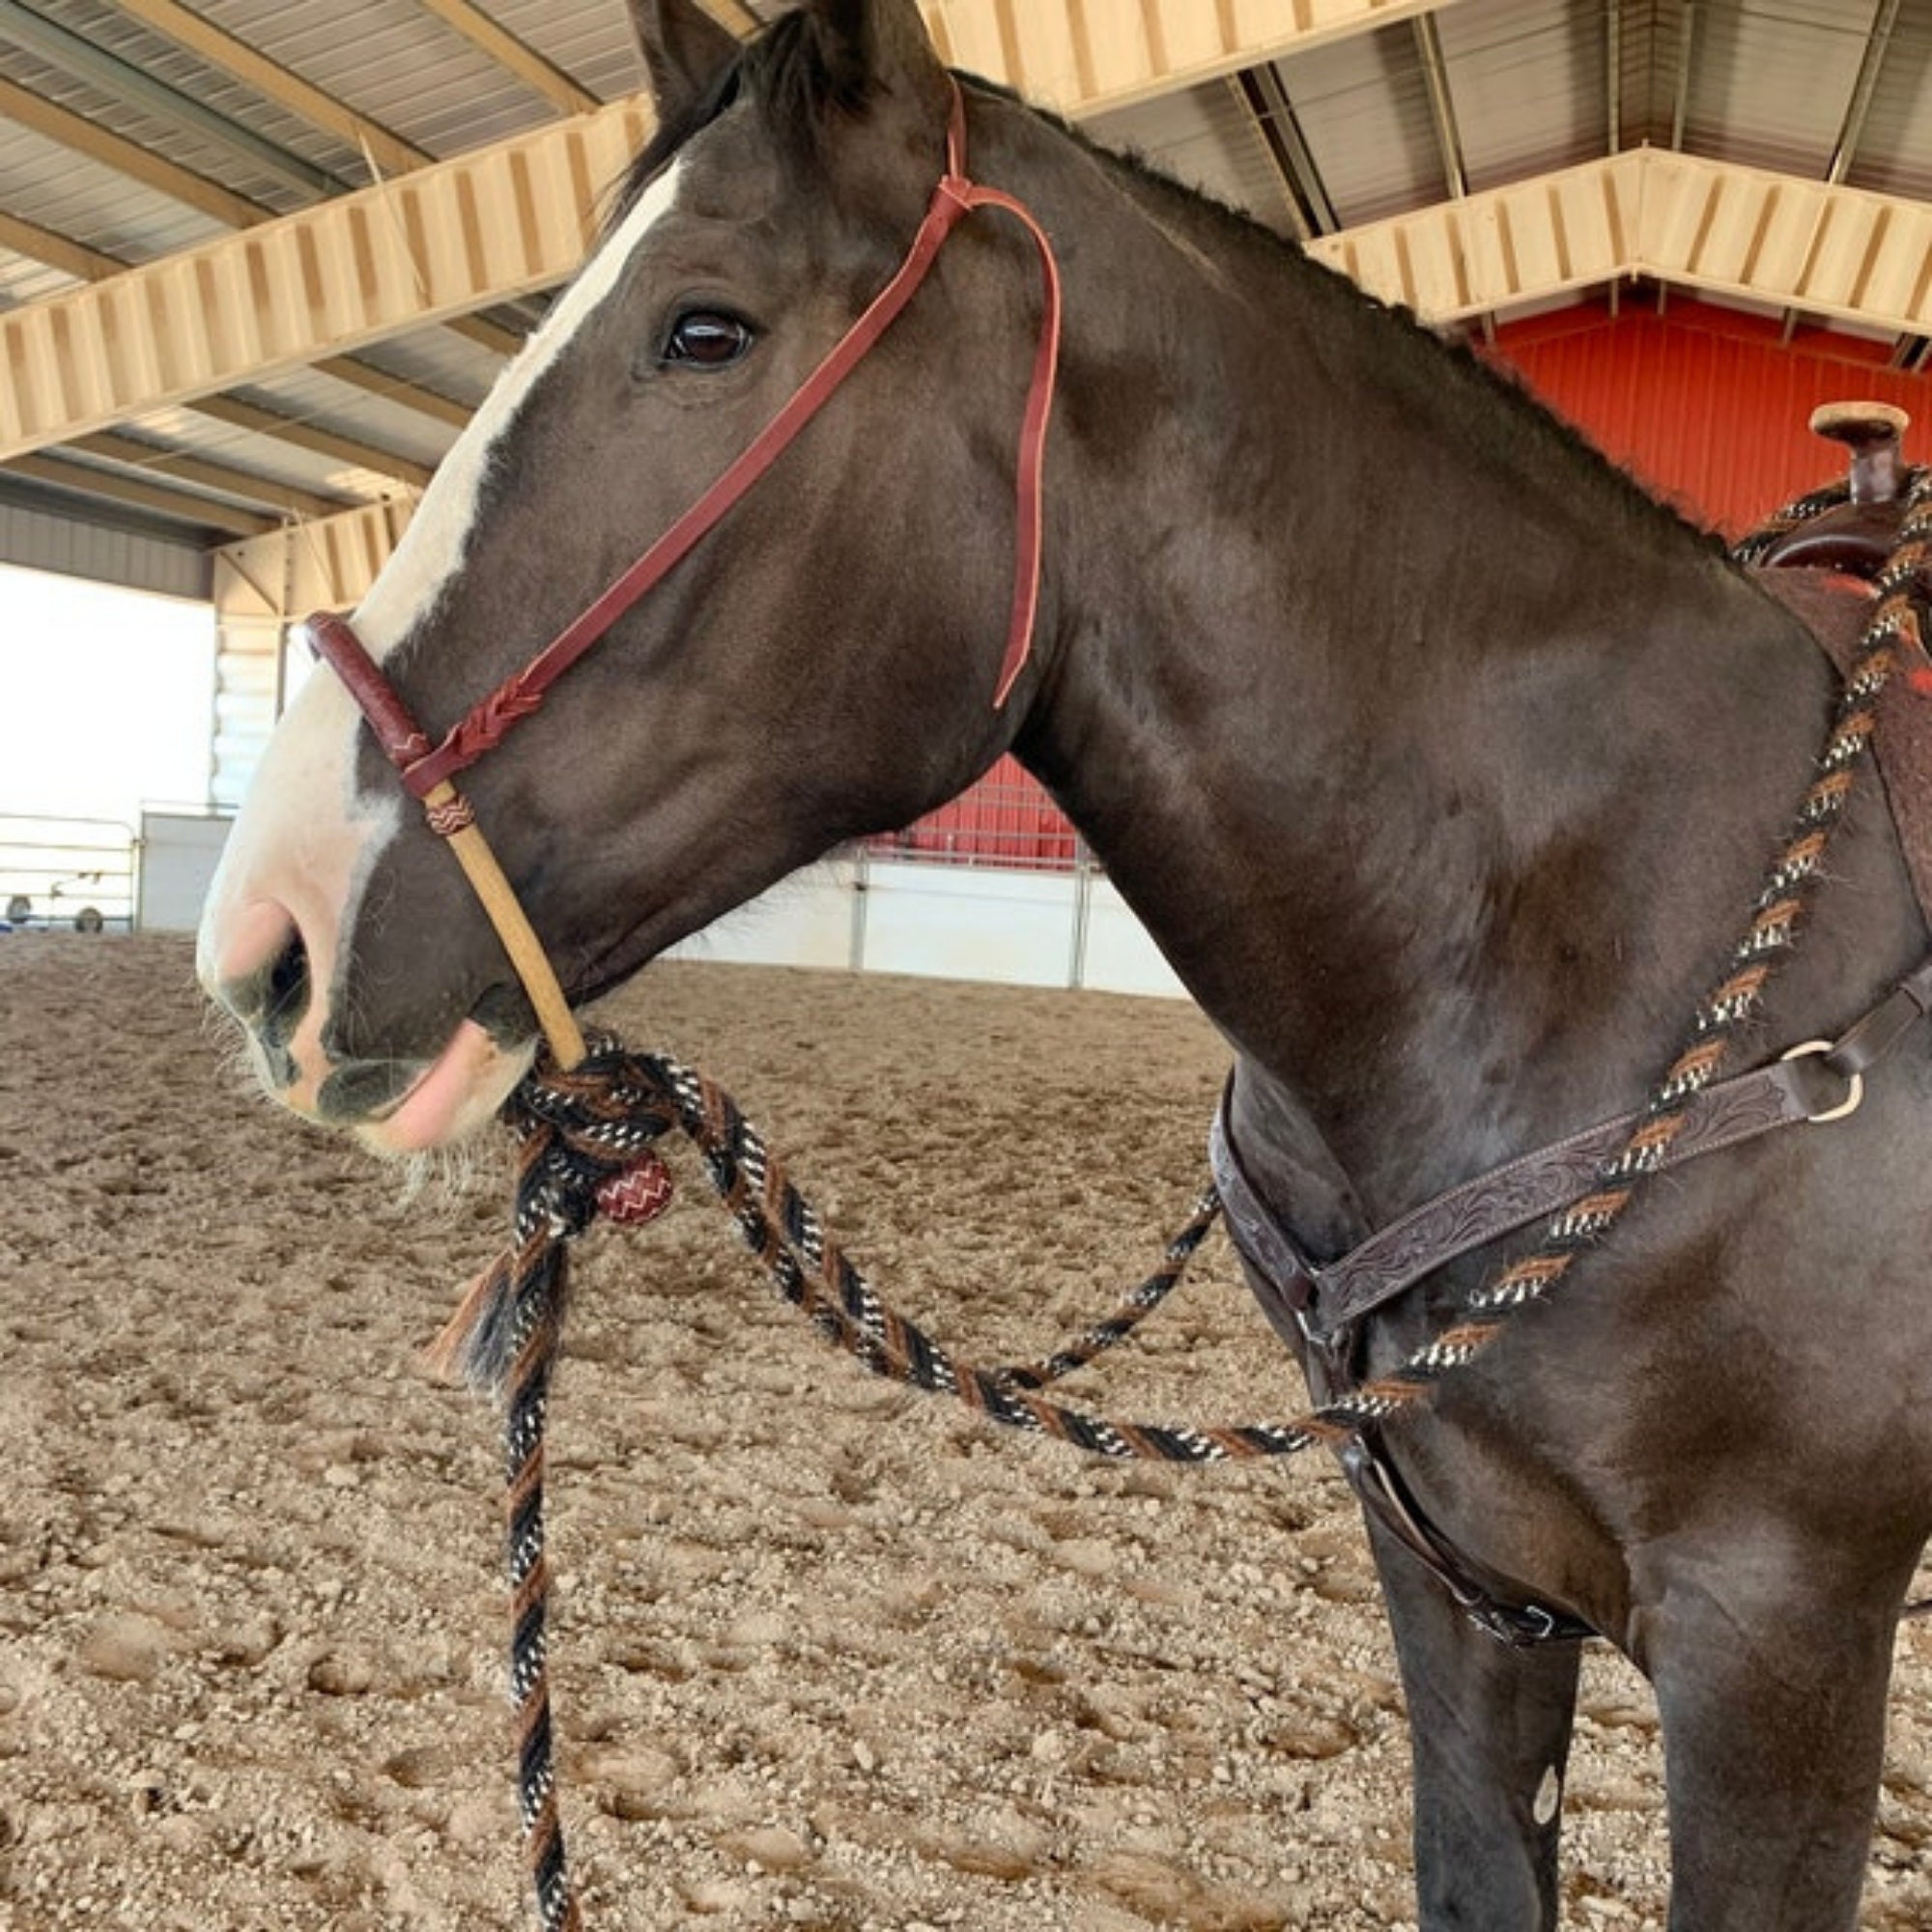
x=1489, y=398
x=784, y=71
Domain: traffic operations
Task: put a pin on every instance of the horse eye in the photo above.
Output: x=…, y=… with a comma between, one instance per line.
x=706, y=339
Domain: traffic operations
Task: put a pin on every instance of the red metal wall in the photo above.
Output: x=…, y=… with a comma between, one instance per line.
x=1707, y=406
x=1704, y=404
x=1006, y=819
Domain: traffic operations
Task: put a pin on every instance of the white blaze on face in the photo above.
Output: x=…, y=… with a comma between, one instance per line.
x=304, y=843
x=433, y=547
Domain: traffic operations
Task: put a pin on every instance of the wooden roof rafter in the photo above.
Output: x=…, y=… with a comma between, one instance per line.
x=92, y=265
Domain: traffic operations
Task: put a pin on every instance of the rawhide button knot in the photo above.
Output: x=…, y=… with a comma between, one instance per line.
x=638, y=1193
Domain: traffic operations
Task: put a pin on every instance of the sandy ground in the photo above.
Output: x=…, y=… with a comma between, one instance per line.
x=827, y=1654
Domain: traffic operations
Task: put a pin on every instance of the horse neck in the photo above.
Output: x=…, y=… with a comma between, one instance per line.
x=1436, y=760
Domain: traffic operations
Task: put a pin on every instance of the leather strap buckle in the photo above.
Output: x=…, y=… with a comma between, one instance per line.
x=1855, y=1082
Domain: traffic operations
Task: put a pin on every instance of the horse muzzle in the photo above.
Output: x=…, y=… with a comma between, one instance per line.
x=258, y=965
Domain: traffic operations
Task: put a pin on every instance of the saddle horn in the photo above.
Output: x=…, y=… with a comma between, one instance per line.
x=1875, y=435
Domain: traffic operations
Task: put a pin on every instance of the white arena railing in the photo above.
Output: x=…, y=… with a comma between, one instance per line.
x=994, y=886
x=68, y=874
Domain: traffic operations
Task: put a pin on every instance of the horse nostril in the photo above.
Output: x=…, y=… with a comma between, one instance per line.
x=263, y=978
x=285, y=992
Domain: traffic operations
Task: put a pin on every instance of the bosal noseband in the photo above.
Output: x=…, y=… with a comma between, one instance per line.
x=428, y=769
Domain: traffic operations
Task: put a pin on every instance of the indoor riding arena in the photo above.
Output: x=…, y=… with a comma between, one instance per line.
x=778, y=1638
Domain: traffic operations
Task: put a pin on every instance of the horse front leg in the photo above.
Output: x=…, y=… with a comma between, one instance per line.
x=1771, y=1691
x=1490, y=1729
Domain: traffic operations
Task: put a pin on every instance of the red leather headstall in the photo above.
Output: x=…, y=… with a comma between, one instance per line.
x=424, y=767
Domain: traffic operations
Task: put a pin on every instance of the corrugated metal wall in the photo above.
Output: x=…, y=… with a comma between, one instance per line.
x=1705, y=404
x=71, y=547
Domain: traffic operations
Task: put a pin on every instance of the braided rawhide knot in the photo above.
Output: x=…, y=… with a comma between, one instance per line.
x=586, y=1139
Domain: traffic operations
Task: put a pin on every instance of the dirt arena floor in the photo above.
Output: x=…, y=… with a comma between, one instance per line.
x=827, y=1654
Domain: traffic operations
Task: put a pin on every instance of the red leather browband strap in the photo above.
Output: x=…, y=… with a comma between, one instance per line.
x=424, y=768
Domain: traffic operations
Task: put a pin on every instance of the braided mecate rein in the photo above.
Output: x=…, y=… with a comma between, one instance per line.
x=586, y=1145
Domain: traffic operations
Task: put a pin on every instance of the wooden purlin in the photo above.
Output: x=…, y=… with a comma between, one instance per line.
x=1699, y=224
x=447, y=239
x=1086, y=57
x=329, y=564
x=319, y=282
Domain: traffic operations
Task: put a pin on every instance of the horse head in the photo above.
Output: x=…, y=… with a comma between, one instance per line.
x=822, y=666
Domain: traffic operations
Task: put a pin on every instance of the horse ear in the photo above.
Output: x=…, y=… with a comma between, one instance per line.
x=684, y=49
x=867, y=45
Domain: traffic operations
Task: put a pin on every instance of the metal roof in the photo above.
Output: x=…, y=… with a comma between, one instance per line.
x=1392, y=107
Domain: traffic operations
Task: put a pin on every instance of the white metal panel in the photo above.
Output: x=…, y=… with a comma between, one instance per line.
x=181, y=437
x=172, y=140
x=106, y=554
x=591, y=42
x=175, y=866
x=1118, y=956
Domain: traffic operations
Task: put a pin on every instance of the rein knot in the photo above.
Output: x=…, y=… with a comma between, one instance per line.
x=585, y=1142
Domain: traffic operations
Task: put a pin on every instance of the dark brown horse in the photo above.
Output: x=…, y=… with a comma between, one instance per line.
x=1442, y=765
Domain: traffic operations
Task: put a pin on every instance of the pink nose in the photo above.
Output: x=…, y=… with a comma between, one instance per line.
x=260, y=969
x=251, y=936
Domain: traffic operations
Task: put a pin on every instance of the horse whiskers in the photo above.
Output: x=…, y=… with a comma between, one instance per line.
x=452, y=1173
x=229, y=1046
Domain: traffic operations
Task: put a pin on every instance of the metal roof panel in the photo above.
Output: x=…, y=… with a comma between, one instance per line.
x=1530, y=86
x=1364, y=108
x=1894, y=155
x=1771, y=82
x=591, y=42
x=1205, y=137
x=120, y=34
x=52, y=186
x=393, y=62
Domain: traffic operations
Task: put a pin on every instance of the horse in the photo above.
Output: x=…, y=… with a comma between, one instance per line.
x=1441, y=761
